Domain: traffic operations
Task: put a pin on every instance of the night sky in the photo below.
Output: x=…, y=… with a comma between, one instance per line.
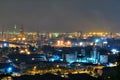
x=61, y=15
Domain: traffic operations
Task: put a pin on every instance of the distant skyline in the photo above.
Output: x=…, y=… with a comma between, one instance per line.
x=61, y=15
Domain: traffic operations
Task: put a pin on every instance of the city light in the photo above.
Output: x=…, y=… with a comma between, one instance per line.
x=16, y=59
x=97, y=40
x=28, y=52
x=56, y=57
x=112, y=64
x=60, y=43
x=22, y=51
x=33, y=59
x=68, y=43
x=52, y=60
x=23, y=39
x=105, y=42
x=81, y=43
x=9, y=69
x=114, y=51
x=5, y=44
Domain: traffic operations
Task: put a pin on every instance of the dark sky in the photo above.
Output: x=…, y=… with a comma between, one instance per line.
x=61, y=15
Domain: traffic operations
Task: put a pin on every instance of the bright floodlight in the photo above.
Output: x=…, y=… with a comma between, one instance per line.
x=5, y=44
x=105, y=42
x=114, y=51
x=81, y=43
x=97, y=40
x=9, y=69
x=52, y=60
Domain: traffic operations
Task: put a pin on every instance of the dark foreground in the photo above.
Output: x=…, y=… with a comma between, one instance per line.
x=55, y=77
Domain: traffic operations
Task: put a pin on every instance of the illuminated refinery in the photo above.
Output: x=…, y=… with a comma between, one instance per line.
x=38, y=53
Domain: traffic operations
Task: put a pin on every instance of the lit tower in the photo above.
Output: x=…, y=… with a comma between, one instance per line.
x=15, y=27
x=22, y=35
x=95, y=54
x=21, y=30
x=14, y=30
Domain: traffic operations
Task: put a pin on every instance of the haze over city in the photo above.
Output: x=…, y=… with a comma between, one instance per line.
x=61, y=15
